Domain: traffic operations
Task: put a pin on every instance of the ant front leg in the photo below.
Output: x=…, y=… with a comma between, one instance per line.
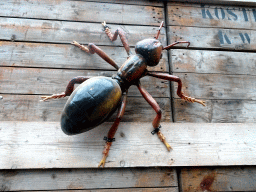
x=92, y=48
x=179, y=92
x=119, y=32
x=69, y=89
x=156, y=122
x=110, y=138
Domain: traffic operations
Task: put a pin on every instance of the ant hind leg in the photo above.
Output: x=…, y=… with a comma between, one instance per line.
x=110, y=138
x=156, y=122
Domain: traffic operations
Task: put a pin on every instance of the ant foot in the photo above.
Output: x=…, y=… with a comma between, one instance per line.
x=162, y=138
x=82, y=47
x=103, y=161
x=200, y=101
x=54, y=96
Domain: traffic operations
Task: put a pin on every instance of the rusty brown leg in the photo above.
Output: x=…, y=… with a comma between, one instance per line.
x=175, y=43
x=110, y=138
x=156, y=122
x=176, y=79
x=92, y=48
x=119, y=32
x=69, y=89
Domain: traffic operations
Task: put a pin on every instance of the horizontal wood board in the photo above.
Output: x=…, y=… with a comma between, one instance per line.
x=171, y=189
x=220, y=2
x=157, y=3
x=214, y=38
x=216, y=111
x=213, y=62
x=207, y=15
x=52, y=81
x=17, y=29
x=88, y=179
x=29, y=108
x=24, y=143
x=62, y=56
x=78, y=11
x=199, y=179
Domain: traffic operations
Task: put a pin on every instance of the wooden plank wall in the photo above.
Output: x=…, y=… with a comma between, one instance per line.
x=219, y=67
x=36, y=59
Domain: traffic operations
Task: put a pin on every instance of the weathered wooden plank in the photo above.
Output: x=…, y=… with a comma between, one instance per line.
x=218, y=179
x=216, y=111
x=17, y=29
x=75, y=179
x=218, y=86
x=222, y=62
x=29, y=108
x=158, y=3
x=221, y=2
x=63, y=56
x=162, y=189
x=78, y=11
x=52, y=81
x=44, y=145
x=171, y=189
x=212, y=16
x=214, y=38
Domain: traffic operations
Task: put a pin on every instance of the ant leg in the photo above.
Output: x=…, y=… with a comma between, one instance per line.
x=119, y=32
x=156, y=122
x=175, y=43
x=176, y=79
x=69, y=89
x=110, y=138
x=92, y=48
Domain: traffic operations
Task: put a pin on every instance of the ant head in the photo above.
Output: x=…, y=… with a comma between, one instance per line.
x=151, y=50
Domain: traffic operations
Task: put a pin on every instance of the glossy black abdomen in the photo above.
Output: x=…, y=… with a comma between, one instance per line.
x=90, y=105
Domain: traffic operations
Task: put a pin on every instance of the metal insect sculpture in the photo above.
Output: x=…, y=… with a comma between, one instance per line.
x=97, y=98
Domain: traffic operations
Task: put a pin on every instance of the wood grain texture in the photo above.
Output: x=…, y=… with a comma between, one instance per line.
x=52, y=81
x=217, y=62
x=216, y=111
x=78, y=11
x=27, y=145
x=214, y=38
x=205, y=15
x=218, y=179
x=63, y=56
x=16, y=29
x=221, y=2
x=218, y=86
x=88, y=179
x=29, y=108
x=162, y=189
x=158, y=3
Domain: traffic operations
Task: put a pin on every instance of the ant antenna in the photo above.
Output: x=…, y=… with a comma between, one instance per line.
x=158, y=32
x=175, y=43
